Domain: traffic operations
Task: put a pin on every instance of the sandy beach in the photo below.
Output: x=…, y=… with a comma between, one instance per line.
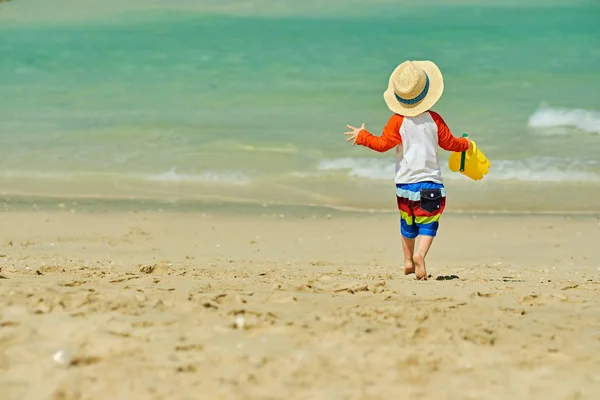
x=109, y=305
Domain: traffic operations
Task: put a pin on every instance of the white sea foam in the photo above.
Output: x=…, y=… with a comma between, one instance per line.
x=541, y=169
x=545, y=169
x=234, y=177
x=551, y=117
x=371, y=168
x=172, y=175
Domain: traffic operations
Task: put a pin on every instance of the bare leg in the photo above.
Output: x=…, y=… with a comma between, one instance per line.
x=419, y=257
x=408, y=247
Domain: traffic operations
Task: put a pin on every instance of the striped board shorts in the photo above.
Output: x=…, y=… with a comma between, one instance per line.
x=421, y=205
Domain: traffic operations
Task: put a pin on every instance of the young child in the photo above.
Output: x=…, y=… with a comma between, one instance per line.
x=416, y=132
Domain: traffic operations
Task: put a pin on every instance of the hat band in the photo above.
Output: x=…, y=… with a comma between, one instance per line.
x=419, y=97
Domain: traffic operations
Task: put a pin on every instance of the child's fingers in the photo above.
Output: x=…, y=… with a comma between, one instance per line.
x=350, y=127
x=348, y=133
x=350, y=138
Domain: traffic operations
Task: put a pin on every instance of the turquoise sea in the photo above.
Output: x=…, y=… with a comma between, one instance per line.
x=248, y=100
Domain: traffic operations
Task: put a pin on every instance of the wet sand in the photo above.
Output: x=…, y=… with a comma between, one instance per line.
x=273, y=306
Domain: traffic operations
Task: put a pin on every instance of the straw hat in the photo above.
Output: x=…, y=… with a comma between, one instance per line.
x=415, y=86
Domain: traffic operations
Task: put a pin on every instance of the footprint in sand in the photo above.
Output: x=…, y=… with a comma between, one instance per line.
x=446, y=277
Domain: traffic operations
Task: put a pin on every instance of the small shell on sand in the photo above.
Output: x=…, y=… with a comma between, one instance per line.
x=240, y=322
x=62, y=357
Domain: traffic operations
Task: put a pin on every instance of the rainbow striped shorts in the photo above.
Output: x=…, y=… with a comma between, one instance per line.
x=421, y=205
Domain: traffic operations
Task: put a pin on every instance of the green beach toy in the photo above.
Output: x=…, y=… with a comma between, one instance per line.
x=463, y=155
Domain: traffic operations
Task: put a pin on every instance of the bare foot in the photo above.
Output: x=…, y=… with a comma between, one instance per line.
x=409, y=267
x=420, y=270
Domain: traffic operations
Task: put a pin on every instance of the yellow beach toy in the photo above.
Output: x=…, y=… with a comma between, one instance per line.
x=472, y=163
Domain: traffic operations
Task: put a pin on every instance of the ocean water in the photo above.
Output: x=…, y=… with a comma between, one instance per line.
x=248, y=100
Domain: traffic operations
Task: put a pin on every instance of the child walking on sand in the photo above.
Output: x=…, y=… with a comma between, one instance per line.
x=416, y=133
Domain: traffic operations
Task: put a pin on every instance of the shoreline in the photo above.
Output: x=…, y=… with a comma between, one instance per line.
x=90, y=204
x=360, y=199
x=95, y=205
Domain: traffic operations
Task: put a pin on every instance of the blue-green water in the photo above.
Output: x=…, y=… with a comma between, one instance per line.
x=164, y=94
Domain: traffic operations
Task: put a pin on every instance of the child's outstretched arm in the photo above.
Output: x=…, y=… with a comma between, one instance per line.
x=388, y=139
x=446, y=140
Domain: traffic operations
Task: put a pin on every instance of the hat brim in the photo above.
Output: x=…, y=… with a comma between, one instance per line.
x=436, y=88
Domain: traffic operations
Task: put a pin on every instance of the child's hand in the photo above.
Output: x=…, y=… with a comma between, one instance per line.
x=353, y=134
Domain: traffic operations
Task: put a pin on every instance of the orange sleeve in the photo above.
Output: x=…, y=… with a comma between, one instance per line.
x=388, y=139
x=446, y=140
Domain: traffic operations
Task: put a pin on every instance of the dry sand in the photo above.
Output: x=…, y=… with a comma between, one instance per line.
x=196, y=306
